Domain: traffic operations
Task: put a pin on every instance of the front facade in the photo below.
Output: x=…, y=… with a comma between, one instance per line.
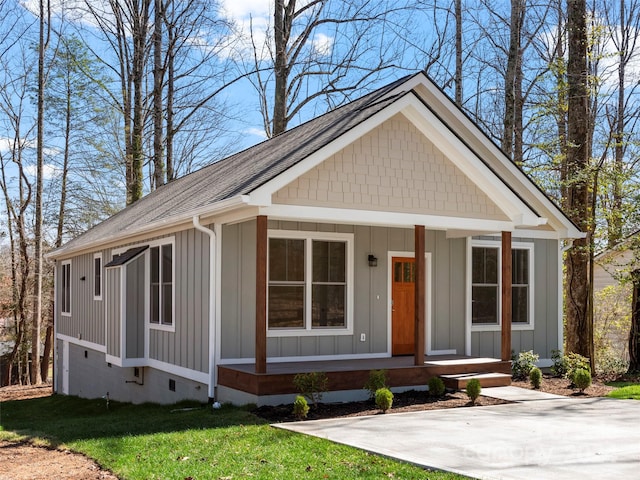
x=303, y=249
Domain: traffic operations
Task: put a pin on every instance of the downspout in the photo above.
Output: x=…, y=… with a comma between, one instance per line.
x=213, y=380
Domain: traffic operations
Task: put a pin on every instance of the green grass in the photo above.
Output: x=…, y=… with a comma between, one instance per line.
x=160, y=442
x=625, y=390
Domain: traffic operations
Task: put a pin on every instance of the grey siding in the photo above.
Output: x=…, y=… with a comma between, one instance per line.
x=135, y=308
x=544, y=338
x=370, y=292
x=114, y=309
x=188, y=346
x=87, y=315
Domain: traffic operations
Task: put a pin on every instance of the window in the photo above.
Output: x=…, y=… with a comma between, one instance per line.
x=486, y=284
x=161, y=285
x=65, y=293
x=97, y=276
x=308, y=282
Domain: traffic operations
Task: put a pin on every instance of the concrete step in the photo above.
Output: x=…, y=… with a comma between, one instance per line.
x=459, y=382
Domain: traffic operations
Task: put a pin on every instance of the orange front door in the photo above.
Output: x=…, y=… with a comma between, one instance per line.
x=403, y=271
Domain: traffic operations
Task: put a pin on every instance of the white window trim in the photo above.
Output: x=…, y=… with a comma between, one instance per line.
x=494, y=327
x=62, y=265
x=98, y=255
x=147, y=253
x=308, y=237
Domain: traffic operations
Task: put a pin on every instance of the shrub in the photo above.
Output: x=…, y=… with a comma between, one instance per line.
x=384, y=399
x=473, y=390
x=300, y=407
x=523, y=363
x=312, y=385
x=565, y=365
x=377, y=380
x=436, y=387
x=535, y=377
x=581, y=379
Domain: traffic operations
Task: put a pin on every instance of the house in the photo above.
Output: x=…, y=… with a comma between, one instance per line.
x=299, y=255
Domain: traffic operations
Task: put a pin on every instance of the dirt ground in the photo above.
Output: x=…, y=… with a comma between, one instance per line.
x=21, y=460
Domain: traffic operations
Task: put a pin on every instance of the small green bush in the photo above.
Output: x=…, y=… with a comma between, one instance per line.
x=581, y=379
x=473, y=390
x=565, y=365
x=523, y=363
x=384, y=399
x=300, y=407
x=377, y=380
x=436, y=387
x=535, y=377
x=312, y=385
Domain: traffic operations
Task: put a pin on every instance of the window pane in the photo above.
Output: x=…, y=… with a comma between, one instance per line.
x=286, y=306
x=484, y=305
x=97, y=277
x=155, y=265
x=167, y=314
x=520, y=267
x=327, y=309
x=329, y=261
x=484, y=265
x=520, y=304
x=167, y=271
x=155, y=303
x=286, y=260
x=397, y=272
x=408, y=272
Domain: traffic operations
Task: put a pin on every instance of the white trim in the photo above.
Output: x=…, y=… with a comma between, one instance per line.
x=98, y=256
x=62, y=302
x=123, y=314
x=310, y=358
x=428, y=297
x=452, y=351
x=56, y=386
x=82, y=343
x=117, y=361
x=218, y=292
x=382, y=218
x=159, y=243
x=441, y=99
x=560, y=323
x=196, y=376
x=309, y=237
x=211, y=381
x=497, y=244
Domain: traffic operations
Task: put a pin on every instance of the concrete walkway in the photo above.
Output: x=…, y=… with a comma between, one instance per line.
x=541, y=436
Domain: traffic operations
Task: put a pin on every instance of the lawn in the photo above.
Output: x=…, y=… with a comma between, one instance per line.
x=182, y=441
x=625, y=390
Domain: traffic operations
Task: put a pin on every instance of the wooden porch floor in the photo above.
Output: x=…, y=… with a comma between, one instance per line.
x=353, y=374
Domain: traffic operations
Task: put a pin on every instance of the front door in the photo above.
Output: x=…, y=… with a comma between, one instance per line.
x=403, y=271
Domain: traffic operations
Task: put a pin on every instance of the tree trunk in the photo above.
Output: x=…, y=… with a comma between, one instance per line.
x=171, y=174
x=158, y=80
x=512, y=81
x=281, y=29
x=634, y=332
x=579, y=319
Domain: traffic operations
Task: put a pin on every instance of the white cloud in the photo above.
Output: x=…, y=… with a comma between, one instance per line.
x=243, y=9
x=48, y=171
x=322, y=44
x=258, y=132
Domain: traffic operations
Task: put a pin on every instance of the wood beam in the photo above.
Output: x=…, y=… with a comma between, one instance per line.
x=419, y=296
x=506, y=296
x=261, y=294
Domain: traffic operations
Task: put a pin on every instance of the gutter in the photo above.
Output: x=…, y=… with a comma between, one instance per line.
x=213, y=380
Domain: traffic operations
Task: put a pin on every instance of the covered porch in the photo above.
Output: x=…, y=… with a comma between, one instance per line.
x=345, y=375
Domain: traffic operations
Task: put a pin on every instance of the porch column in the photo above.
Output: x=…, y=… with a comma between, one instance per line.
x=419, y=296
x=506, y=296
x=261, y=294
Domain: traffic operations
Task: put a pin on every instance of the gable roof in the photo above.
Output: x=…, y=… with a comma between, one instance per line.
x=226, y=183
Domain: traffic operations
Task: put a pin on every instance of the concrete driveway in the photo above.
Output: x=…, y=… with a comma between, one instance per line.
x=539, y=437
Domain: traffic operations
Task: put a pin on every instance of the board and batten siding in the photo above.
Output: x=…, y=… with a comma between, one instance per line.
x=86, y=321
x=370, y=292
x=135, y=307
x=188, y=346
x=544, y=338
x=114, y=310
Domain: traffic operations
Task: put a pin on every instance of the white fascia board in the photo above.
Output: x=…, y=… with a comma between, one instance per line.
x=568, y=229
x=185, y=219
x=383, y=219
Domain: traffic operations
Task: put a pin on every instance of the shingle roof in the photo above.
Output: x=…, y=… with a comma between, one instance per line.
x=238, y=174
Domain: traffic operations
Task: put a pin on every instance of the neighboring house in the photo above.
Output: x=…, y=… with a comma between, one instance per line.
x=298, y=255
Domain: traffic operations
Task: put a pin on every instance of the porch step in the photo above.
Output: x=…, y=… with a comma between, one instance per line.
x=458, y=382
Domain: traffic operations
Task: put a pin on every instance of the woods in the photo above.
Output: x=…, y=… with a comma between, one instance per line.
x=104, y=102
